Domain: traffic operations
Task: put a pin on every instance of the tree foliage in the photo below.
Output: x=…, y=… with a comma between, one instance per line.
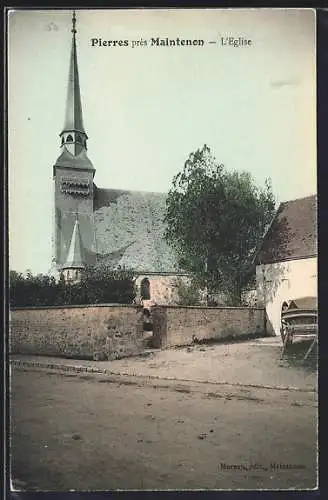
x=97, y=286
x=215, y=219
x=188, y=293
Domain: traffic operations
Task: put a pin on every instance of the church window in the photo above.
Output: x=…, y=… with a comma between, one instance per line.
x=62, y=141
x=145, y=289
x=69, y=138
x=79, y=138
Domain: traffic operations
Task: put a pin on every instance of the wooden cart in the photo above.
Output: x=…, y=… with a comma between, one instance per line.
x=299, y=323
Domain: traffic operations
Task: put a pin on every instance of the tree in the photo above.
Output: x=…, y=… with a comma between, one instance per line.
x=215, y=219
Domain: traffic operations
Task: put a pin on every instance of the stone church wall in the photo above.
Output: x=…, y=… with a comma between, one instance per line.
x=77, y=331
x=162, y=287
x=164, y=292
x=176, y=326
x=66, y=206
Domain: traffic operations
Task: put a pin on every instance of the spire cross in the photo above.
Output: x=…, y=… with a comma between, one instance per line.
x=73, y=23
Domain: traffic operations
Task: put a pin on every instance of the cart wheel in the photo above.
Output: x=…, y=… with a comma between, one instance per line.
x=289, y=341
x=283, y=331
x=283, y=324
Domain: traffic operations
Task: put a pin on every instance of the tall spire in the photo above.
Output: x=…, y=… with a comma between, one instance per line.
x=73, y=135
x=73, y=23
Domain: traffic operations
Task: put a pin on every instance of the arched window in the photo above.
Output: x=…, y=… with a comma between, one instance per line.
x=145, y=289
x=78, y=138
x=63, y=140
x=69, y=138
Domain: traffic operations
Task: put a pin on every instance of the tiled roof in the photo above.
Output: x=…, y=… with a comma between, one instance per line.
x=293, y=232
x=129, y=230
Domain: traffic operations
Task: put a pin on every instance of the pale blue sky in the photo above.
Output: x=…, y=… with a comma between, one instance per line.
x=145, y=109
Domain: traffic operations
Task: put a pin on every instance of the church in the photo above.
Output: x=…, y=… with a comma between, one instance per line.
x=96, y=226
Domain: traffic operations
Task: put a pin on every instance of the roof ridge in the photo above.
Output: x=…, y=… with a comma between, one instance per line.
x=292, y=233
x=133, y=191
x=298, y=199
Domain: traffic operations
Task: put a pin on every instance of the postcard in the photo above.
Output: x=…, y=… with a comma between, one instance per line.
x=162, y=249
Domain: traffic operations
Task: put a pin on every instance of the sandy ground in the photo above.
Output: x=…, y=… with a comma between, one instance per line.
x=84, y=432
x=88, y=431
x=253, y=362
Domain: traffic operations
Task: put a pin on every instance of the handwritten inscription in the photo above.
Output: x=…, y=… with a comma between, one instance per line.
x=52, y=26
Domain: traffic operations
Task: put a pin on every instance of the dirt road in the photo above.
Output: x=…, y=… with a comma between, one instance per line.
x=87, y=432
x=253, y=362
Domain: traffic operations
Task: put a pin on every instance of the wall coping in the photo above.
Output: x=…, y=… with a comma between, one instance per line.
x=136, y=306
x=208, y=307
x=163, y=273
x=77, y=306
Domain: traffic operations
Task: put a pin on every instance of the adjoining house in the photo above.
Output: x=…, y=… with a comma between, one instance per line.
x=286, y=262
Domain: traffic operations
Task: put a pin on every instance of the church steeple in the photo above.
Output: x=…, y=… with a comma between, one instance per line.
x=73, y=135
x=73, y=174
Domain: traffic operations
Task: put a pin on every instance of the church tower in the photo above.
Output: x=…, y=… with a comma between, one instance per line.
x=73, y=175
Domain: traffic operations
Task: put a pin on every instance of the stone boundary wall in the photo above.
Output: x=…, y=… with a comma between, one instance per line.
x=109, y=331
x=105, y=331
x=178, y=326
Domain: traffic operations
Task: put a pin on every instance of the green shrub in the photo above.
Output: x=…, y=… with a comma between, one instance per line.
x=97, y=286
x=188, y=293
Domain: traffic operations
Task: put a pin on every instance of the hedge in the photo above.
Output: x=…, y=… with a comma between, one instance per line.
x=97, y=286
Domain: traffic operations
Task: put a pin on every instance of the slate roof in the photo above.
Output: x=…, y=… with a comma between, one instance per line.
x=129, y=231
x=80, y=162
x=73, y=117
x=293, y=232
x=75, y=258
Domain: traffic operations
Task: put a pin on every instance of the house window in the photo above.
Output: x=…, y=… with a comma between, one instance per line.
x=145, y=289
